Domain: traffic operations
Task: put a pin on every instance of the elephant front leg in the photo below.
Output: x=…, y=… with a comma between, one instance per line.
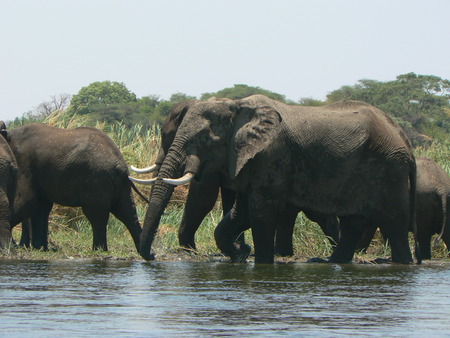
x=263, y=221
x=285, y=230
x=233, y=223
x=201, y=199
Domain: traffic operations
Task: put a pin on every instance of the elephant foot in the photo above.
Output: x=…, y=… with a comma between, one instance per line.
x=284, y=253
x=316, y=260
x=241, y=254
x=381, y=261
x=148, y=256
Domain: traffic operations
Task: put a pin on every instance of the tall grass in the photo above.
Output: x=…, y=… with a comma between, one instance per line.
x=71, y=234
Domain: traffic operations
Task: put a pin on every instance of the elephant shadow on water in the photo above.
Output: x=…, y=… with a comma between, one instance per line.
x=79, y=167
x=348, y=159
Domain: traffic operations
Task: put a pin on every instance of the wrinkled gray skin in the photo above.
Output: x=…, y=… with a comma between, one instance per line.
x=8, y=185
x=433, y=207
x=203, y=194
x=79, y=167
x=347, y=159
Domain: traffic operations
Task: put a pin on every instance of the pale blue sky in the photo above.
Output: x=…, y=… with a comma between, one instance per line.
x=292, y=47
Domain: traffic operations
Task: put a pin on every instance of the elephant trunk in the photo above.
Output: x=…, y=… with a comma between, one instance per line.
x=161, y=193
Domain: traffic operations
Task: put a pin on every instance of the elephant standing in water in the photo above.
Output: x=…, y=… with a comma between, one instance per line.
x=79, y=167
x=347, y=159
x=433, y=207
x=204, y=191
x=8, y=185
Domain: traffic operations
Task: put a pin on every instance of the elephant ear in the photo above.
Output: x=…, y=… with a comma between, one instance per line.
x=254, y=131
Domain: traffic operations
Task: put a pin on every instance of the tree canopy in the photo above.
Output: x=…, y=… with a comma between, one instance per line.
x=101, y=94
x=239, y=91
x=419, y=103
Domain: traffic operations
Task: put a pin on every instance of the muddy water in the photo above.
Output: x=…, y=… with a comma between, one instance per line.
x=81, y=298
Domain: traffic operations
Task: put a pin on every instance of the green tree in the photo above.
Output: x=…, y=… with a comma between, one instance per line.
x=418, y=102
x=97, y=95
x=239, y=91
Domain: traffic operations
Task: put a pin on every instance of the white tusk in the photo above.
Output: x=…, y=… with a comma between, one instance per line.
x=150, y=169
x=144, y=182
x=180, y=181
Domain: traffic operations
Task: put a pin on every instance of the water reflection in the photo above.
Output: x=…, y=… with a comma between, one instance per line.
x=205, y=299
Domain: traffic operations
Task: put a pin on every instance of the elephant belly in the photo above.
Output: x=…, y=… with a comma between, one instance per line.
x=77, y=193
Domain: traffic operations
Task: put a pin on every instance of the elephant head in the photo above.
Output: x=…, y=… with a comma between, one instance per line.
x=215, y=135
x=168, y=130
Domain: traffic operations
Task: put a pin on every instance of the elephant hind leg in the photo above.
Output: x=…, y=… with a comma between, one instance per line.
x=98, y=217
x=125, y=211
x=352, y=228
x=396, y=232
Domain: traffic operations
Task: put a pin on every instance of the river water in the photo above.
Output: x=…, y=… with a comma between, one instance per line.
x=185, y=299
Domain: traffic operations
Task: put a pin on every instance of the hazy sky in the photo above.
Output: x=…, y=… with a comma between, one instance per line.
x=292, y=47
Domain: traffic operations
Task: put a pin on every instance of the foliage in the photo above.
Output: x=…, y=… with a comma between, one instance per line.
x=100, y=94
x=239, y=91
x=419, y=103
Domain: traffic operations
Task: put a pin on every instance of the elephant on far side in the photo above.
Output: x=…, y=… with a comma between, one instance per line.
x=8, y=185
x=433, y=207
x=79, y=167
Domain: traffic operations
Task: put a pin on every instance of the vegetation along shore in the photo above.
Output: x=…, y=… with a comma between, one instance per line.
x=420, y=104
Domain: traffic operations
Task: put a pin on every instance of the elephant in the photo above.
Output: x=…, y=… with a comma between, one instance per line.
x=347, y=159
x=79, y=167
x=203, y=194
x=8, y=185
x=433, y=207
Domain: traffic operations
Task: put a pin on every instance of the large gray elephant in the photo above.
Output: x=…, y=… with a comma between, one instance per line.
x=79, y=167
x=347, y=159
x=8, y=185
x=204, y=191
x=433, y=207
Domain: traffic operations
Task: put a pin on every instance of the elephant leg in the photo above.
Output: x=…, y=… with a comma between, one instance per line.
x=228, y=198
x=425, y=246
x=397, y=235
x=5, y=228
x=232, y=224
x=329, y=225
x=366, y=239
x=446, y=239
x=39, y=224
x=126, y=212
x=98, y=217
x=25, y=238
x=285, y=231
x=352, y=228
x=263, y=221
x=200, y=201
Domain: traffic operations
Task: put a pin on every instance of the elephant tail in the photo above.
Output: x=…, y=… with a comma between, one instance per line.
x=141, y=195
x=413, y=207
